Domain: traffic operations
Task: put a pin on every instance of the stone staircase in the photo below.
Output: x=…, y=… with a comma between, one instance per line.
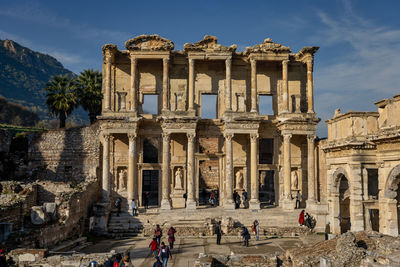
x=123, y=226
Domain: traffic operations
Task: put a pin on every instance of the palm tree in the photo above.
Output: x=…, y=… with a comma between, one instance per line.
x=89, y=92
x=61, y=97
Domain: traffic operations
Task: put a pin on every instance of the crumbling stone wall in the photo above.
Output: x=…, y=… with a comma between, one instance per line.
x=66, y=155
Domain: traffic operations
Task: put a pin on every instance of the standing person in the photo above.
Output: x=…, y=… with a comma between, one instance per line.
x=164, y=254
x=244, y=197
x=146, y=200
x=235, y=197
x=298, y=200
x=256, y=229
x=327, y=230
x=237, y=201
x=171, y=237
x=118, y=205
x=185, y=197
x=246, y=236
x=218, y=232
x=126, y=262
x=153, y=247
x=134, y=207
x=301, y=218
x=212, y=198
x=158, y=234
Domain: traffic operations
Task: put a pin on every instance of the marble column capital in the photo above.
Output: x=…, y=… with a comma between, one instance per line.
x=254, y=137
x=166, y=136
x=191, y=136
x=228, y=136
x=285, y=62
x=287, y=136
x=228, y=62
x=132, y=136
x=311, y=137
x=191, y=62
x=253, y=62
x=106, y=137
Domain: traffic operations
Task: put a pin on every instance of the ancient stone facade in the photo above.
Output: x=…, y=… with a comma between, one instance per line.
x=362, y=155
x=177, y=151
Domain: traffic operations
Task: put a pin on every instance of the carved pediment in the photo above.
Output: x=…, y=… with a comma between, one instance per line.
x=149, y=43
x=209, y=44
x=305, y=52
x=268, y=47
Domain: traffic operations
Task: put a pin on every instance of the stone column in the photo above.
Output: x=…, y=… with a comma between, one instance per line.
x=133, y=93
x=310, y=170
x=191, y=200
x=254, y=201
x=310, y=86
x=165, y=201
x=165, y=83
x=132, y=168
x=228, y=201
x=107, y=95
x=287, y=168
x=228, y=84
x=356, y=197
x=191, y=85
x=285, y=87
x=253, y=85
x=106, y=168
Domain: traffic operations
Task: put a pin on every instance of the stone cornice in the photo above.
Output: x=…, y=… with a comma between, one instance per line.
x=109, y=49
x=306, y=53
x=352, y=114
x=209, y=44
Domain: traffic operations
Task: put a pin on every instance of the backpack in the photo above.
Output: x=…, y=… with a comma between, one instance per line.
x=164, y=252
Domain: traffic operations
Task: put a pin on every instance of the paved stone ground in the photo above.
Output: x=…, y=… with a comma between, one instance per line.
x=187, y=249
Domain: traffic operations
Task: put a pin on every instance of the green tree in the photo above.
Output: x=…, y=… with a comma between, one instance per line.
x=61, y=97
x=89, y=92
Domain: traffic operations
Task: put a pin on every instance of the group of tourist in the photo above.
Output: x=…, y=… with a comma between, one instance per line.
x=307, y=220
x=237, y=199
x=255, y=227
x=116, y=261
x=159, y=250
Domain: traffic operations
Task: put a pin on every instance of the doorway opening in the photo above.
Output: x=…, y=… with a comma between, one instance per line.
x=267, y=188
x=344, y=202
x=150, y=186
x=208, y=181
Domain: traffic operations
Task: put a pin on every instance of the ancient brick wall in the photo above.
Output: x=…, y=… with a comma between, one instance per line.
x=66, y=155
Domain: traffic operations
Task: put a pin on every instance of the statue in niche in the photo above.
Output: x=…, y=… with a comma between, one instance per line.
x=121, y=179
x=263, y=175
x=178, y=179
x=295, y=180
x=239, y=180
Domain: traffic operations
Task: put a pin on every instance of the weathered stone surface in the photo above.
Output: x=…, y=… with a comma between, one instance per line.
x=38, y=215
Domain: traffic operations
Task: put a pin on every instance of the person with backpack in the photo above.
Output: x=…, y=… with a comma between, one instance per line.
x=212, y=199
x=164, y=254
x=158, y=233
x=246, y=236
x=255, y=228
x=244, y=198
x=171, y=237
x=153, y=247
x=118, y=205
x=134, y=207
x=218, y=232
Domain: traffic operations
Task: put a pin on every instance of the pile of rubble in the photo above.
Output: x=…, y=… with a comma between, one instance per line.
x=349, y=249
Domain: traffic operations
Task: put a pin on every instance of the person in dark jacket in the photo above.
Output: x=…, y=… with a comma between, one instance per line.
x=327, y=230
x=246, y=236
x=171, y=237
x=218, y=232
x=158, y=233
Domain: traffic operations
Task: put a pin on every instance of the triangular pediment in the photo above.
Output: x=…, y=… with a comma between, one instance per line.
x=209, y=44
x=268, y=47
x=149, y=43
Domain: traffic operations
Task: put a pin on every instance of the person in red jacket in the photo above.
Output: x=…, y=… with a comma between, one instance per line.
x=154, y=247
x=171, y=237
x=301, y=218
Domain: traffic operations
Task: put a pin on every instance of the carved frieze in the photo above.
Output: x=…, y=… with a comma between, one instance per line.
x=149, y=43
x=208, y=44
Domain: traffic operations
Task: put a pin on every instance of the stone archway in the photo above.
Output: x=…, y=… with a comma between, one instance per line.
x=344, y=204
x=392, y=196
x=340, y=201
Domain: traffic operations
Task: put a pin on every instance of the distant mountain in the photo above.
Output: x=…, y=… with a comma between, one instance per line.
x=23, y=75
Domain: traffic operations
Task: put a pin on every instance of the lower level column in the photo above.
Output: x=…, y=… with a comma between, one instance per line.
x=165, y=200
x=288, y=202
x=310, y=171
x=191, y=200
x=228, y=200
x=132, y=169
x=254, y=201
x=106, y=168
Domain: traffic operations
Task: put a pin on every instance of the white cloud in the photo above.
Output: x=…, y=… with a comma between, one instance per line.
x=365, y=71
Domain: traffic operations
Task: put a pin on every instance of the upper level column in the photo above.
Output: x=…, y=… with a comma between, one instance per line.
x=285, y=87
x=165, y=83
x=253, y=63
x=228, y=85
x=191, y=85
x=310, y=86
x=107, y=95
x=133, y=92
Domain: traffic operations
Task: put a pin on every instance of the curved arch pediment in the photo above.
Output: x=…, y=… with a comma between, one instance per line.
x=392, y=183
x=268, y=47
x=337, y=176
x=209, y=44
x=152, y=42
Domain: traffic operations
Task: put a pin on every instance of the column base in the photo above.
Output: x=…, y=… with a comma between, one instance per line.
x=254, y=204
x=311, y=204
x=165, y=204
x=191, y=204
x=288, y=204
x=229, y=205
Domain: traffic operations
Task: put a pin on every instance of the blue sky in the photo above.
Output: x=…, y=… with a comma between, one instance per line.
x=358, y=62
